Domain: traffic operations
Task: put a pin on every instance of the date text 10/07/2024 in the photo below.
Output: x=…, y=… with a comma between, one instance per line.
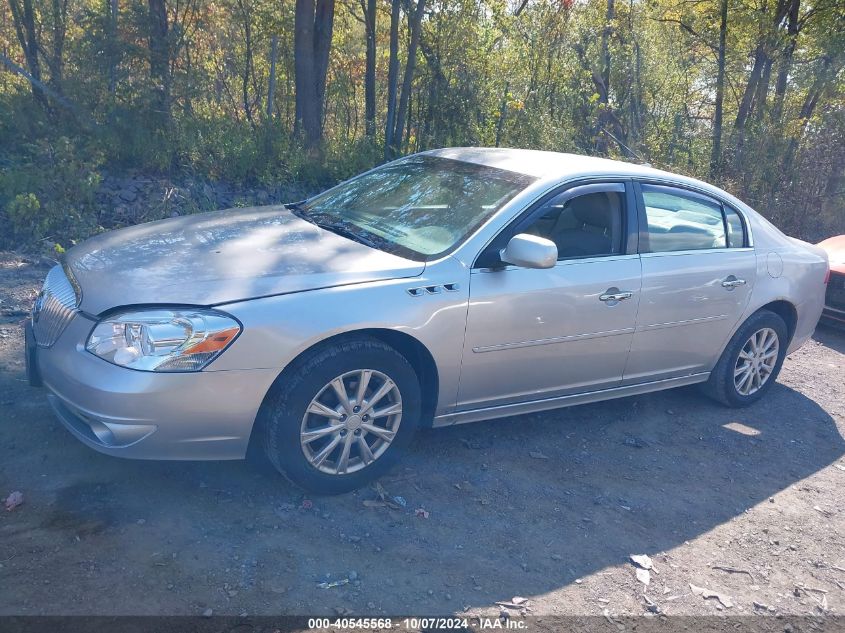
x=416, y=624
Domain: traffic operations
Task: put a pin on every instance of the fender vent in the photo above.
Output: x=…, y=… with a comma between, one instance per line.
x=433, y=290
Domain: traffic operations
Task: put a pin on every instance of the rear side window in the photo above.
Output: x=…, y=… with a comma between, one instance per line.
x=682, y=221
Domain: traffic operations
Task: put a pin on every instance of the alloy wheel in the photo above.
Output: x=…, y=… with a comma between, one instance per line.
x=351, y=422
x=756, y=361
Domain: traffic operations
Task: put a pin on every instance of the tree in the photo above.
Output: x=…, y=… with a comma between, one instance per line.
x=23, y=17
x=313, y=25
x=159, y=55
x=394, y=140
x=369, y=9
x=716, y=152
x=392, y=79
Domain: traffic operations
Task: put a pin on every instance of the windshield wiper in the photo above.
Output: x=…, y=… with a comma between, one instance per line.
x=299, y=211
x=339, y=227
x=343, y=229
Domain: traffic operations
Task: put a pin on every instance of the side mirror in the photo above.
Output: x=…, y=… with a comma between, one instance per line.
x=530, y=251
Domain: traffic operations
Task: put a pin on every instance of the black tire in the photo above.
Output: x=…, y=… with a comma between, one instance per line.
x=281, y=415
x=721, y=385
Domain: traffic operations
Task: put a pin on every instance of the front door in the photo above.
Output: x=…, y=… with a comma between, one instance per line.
x=698, y=271
x=534, y=334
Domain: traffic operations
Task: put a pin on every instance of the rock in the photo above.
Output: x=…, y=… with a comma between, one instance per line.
x=641, y=560
x=127, y=195
x=724, y=600
x=207, y=613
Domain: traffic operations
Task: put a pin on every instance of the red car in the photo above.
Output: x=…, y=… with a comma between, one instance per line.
x=834, y=302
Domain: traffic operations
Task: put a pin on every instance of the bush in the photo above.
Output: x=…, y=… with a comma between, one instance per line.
x=47, y=196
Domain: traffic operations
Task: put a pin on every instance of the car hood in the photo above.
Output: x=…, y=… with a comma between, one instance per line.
x=221, y=257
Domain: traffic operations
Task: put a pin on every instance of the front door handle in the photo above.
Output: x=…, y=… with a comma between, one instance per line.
x=732, y=282
x=614, y=295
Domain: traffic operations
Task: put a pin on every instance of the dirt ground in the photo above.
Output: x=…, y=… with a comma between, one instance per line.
x=746, y=504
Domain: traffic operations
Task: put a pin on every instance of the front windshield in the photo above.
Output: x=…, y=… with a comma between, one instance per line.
x=420, y=206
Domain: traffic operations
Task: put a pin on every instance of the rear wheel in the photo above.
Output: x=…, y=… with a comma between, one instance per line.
x=751, y=361
x=341, y=417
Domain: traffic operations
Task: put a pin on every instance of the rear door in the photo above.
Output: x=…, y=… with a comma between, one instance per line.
x=698, y=270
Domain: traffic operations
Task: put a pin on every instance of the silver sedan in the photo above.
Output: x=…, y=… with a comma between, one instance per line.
x=446, y=287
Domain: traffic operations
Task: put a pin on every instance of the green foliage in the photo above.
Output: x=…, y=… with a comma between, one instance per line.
x=48, y=195
x=634, y=81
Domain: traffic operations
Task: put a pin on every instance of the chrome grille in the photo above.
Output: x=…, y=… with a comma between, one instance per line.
x=54, y=307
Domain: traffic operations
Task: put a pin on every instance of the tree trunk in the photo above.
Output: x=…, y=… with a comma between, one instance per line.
x=247, y=62
x=807, y=109
x=602, y=79
x=503, y=113
x=112, y=47
x=392, y=79
x=323, y=28
x=271, y=82
x=716, y=154
x=785, y=66
x=23, y=17
x=160, y=56
x=313, y=26
x=762, y=62
x=369, y=7
x=404, y=100
x=59, y=27
x=761, y=96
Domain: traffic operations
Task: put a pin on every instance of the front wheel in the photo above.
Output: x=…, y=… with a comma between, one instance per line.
x=341, y=416
x=751, y=361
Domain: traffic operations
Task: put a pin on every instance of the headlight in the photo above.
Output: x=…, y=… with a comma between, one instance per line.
x=163, y=340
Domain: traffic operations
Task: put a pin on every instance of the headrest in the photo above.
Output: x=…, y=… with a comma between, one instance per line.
x=593, y=209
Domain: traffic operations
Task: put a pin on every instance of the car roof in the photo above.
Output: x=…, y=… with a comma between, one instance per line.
x=555, y=165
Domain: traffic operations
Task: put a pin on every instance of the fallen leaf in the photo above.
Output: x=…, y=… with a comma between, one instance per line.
x=420, y=512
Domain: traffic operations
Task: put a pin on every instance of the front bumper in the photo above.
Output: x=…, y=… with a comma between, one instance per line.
x=834, y=309
x=833, y=316
x=147, y=415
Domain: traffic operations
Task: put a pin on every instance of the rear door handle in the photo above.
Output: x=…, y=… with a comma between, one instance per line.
x=614, y=295
x=732, y=282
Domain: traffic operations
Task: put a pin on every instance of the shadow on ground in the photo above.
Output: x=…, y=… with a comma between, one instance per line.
x=520, y=506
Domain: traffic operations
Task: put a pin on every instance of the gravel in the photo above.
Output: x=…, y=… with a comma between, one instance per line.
x=746, y=506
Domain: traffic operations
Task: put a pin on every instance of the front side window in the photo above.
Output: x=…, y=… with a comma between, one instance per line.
x=418, y=207
x=678, y=221
x=589, y=225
